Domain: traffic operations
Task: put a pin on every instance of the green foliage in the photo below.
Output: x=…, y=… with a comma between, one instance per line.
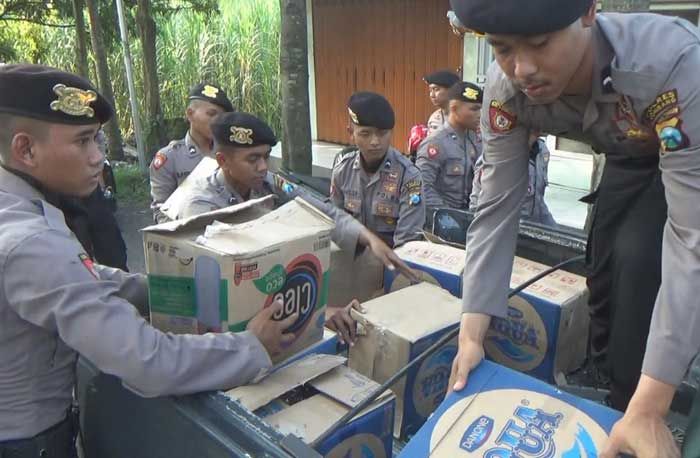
x=132, y=186
x=235, y=45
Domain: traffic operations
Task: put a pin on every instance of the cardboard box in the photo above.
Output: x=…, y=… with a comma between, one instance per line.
x=205, y=275
x=328, y=345
x=354, y=276
x=503, y=413
x=438, y=264
x=398, y=327
x=308, y=396
x=546, y=332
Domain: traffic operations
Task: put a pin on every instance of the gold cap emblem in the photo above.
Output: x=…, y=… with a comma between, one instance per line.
x=210, y=91
x=73, y=101
x=241, y=135
x=353, y=116
x=471, y=93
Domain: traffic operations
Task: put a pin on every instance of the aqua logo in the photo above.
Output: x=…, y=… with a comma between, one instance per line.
x=477, y=434
x=517, y=329
x=530, y=433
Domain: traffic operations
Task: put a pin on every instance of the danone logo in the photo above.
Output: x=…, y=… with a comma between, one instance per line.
x=477, y=434
x=520, y=340
x=297, y=286
x=515, y=423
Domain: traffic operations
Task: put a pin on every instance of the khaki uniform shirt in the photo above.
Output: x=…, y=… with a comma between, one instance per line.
x=389, y=202
x=54, y=304
x=645, y=100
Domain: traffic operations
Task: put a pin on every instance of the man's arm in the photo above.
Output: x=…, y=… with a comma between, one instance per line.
x=163, y=182
x=133, y=288
x=429, y=162
x=411, y=208
x=476, y=185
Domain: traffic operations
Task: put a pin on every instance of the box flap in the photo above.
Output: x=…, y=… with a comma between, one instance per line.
x=206, y=167
x=559, y=287
x=346, y=386
x=292, y=221
x=428, y=308
x=279, y=382
x=309, y=418
x=435, y=256
x=250, y=209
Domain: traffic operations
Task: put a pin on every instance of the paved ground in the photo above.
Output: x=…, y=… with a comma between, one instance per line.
x=131, y=218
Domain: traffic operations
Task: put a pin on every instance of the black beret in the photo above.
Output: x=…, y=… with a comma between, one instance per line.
x=212, y=94
x=466, y=92
x=51, y=95
x=371, y=110
x=241, y=130
x=516, y=17
x=444, y=78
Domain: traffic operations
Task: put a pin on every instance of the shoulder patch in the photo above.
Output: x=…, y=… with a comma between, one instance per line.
x=433, y=151
x=500, y=118
x=159, y=160
x=665, y=105
x=671, y=135
x=412, y=186
x=89, y=264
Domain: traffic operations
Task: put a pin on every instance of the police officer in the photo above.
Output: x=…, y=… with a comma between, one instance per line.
x=377, y=184
x=446, y=158
x=243, y=144
x=55, y=302
x=534, y=207
x=627, y=85
x=439, y=84
x=172, y=164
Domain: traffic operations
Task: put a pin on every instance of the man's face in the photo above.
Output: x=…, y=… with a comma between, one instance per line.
x=543, y=66
x=466, y=114
x=373, y=143
x=438, y=95
x=66, y=159
x=199, y=114
x=244, y=168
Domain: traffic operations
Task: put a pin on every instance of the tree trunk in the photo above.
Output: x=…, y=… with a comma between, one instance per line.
x=114, y=136
x=80, y=40
x=155, y=131
x=294, y=75
x=625, y=6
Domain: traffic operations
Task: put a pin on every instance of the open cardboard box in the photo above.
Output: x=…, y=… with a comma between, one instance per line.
x=306, y=397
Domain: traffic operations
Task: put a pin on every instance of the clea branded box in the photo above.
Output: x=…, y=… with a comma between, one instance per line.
x=502, y=413
x=546, y=331
x=439, y=264
x=396, y=328
x=214, y=272
x=308, y=396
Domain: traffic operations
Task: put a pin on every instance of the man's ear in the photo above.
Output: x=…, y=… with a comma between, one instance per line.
x=220, y=159
x=21, y=149
x=189, y=113
x=588, y=19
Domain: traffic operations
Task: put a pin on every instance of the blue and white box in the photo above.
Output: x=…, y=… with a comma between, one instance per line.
x=328, y=390
x=546, y=331
x=502, y=413
x=438, y=264
x=394, y=329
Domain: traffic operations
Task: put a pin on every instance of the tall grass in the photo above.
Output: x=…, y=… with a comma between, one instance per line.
x=236, y=47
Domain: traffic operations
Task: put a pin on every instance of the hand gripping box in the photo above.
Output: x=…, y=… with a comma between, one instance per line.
x=398, y=327
x=441, y=265
x=215, y=271
x=308, y=396
x=546, y=331
x=502, y=413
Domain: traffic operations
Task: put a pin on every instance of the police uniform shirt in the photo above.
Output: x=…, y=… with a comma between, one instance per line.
x=446, y=160
x=213, y=192
x=54, y=304
x=437, y=120
x=645, y=100
x=169, y=168
x=389, y=202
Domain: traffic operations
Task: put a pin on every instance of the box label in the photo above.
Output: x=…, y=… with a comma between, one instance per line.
x=359, y=445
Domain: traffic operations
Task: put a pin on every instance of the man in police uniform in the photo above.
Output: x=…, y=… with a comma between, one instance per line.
x=172, y=164
x=534, y=207
x=377, y=184
x=243, y=144
x=446, y=158
x=439, y=84
x=55, y=302
x=564, y=71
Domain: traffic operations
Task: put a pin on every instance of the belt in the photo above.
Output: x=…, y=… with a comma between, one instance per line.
x=57, y=441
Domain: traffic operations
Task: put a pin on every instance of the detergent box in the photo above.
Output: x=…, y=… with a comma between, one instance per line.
x=441, y=265
x=396, y=328
x=502, y=413
x=545, y=333
x=214, y=272
x=311, y=394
